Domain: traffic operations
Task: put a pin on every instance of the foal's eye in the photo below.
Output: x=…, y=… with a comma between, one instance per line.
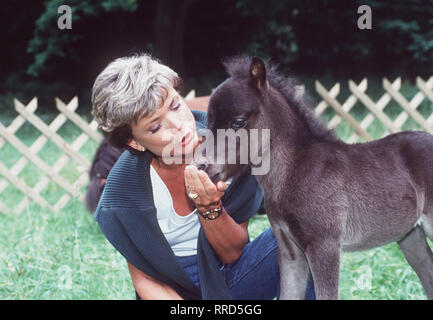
x=239, y=123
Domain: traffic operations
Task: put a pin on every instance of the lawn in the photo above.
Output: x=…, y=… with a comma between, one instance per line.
x=65, y=256
x=44, y=255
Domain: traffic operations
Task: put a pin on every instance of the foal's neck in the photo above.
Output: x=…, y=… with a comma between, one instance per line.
x=288, y=129
x=290, y=134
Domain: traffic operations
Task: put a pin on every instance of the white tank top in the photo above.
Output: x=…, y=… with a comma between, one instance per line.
x=181, y=231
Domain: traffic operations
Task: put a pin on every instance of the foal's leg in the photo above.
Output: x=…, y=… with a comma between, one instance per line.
x=417, y=252
x=324, y=261
x=293, y=267
x=427, y=225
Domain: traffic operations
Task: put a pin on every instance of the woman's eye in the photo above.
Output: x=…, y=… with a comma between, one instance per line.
x=239, y=123
x=155, y=129
x=177, y=106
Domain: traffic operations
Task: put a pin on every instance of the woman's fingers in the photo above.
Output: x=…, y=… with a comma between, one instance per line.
x=207, y=183
x=193, y=182
x=198, y=181
x=213, y=189
x=221, y=186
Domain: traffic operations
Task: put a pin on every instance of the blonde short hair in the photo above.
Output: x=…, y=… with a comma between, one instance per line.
x=127, y=89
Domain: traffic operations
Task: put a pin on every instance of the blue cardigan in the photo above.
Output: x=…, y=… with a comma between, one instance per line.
x=126, y=215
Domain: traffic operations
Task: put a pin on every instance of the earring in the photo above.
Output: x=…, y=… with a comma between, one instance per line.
x=142, y=149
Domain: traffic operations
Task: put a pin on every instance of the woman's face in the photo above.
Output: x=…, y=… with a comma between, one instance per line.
x=171, y=127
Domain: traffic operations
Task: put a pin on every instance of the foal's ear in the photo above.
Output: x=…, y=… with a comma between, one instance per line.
x=258, y=73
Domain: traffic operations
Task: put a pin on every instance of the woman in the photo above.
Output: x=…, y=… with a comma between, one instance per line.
x=183, y=236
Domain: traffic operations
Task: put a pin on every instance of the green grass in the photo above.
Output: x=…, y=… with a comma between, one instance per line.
x=59, y=256
x=376, y=274
x=44, y=255
x=65, y=256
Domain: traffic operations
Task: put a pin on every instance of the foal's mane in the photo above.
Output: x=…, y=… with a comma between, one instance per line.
x=238, y=67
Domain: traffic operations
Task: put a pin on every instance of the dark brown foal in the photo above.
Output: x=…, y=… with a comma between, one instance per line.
x=321, y=194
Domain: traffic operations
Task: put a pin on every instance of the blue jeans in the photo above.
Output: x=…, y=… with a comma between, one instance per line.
x=255, y=275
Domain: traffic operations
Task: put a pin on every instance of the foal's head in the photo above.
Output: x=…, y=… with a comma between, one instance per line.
x=237, y=100
x=255, y=98
x=236, y=105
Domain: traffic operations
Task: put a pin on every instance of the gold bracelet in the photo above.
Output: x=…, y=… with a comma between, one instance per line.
x=211, y=214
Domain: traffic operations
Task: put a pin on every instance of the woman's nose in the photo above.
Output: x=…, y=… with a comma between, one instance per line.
x=175, y=122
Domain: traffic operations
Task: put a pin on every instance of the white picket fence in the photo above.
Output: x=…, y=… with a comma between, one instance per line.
x=409, y=108
x=48, y=132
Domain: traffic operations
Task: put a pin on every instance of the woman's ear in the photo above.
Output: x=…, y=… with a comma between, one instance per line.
x=135, y=145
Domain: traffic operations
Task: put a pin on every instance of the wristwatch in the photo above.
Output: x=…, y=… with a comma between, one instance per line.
x=211, y=214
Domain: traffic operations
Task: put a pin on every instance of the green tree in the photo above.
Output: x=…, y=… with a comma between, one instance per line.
x=322, y=36
x=304, y=36
x=49, y=41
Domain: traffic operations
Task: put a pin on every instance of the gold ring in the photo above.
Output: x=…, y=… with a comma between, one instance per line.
x=192, y=196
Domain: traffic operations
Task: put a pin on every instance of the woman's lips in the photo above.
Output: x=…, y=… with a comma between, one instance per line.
x=186, y=139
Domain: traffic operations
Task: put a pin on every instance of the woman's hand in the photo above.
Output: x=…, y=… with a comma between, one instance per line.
x=209, y=194
x=226, y=237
